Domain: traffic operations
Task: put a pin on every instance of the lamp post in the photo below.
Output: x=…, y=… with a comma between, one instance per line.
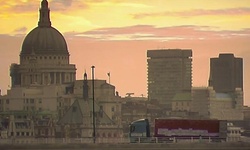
x=93, y=104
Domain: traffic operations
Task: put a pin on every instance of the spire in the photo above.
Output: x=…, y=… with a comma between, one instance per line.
x=44, y=20
x=85, y=75
x=85, y=87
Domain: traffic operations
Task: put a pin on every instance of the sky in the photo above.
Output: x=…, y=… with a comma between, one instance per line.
x=114, y=35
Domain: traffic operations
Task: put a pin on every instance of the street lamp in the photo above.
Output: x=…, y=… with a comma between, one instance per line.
x=93, y=104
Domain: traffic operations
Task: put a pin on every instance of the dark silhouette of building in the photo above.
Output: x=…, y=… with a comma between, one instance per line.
x=226, y=73
x=169, y=73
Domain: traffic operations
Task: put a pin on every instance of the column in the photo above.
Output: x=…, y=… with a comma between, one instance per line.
x=42, y=78
x=60, y=77
x=54, y=78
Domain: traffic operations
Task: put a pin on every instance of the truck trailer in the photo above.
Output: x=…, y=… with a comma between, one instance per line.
x=172, y=130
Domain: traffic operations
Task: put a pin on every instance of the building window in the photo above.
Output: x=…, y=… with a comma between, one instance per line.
x=42, y=132
x=7, y=101
x=32, y=101
x=113, y=109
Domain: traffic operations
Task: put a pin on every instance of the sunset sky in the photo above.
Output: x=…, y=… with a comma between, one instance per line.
x=114, y=35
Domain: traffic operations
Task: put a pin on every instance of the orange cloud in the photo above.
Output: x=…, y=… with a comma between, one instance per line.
x=197, y=12
x=149, y=32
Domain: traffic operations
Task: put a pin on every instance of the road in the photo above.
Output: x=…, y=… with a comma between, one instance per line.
x=184, y=146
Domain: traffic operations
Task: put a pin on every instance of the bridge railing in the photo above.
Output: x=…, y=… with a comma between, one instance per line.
x=31, y=140
x=175, y=139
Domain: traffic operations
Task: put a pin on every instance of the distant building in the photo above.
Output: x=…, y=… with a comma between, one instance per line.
x=226, y=73
x=181, y=102
x=78, y=122
x=26, y=125
x=226, y=106
x=44, y=57
x=105, y=96
x=200, y=101
x=181, y=105
x=246, y=111
x=222, y=106
x=226, y=87
x=39, y=82
x=44, y=82
x=169, y=73
x=233, y=133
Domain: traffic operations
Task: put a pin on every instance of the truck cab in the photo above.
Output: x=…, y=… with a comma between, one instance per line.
x=139, y=130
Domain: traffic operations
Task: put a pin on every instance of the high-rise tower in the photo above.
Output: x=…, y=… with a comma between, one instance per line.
x=226, y=73
x=169, y=73
x=226, y=81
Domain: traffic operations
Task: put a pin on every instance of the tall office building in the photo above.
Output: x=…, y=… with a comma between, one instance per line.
x=226, y=73
x=169, y=74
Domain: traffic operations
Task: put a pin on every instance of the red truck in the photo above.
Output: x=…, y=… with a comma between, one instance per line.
x=189, y=128
x=169, y=129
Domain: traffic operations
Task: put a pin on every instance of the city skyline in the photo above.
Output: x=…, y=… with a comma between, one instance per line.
x=119, y=43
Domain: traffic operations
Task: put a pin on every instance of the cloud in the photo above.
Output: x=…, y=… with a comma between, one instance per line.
x=197, y=12
x=64, y=2
x=28, y=6
x=33, y=6
x=149, y=32
x=61, y=5
x=21, y=30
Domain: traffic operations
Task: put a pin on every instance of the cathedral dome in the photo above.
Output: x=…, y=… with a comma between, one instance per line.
x=44, y=39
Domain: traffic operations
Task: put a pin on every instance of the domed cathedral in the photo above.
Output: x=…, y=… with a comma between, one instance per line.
x=44, y=84
x=44, y=57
